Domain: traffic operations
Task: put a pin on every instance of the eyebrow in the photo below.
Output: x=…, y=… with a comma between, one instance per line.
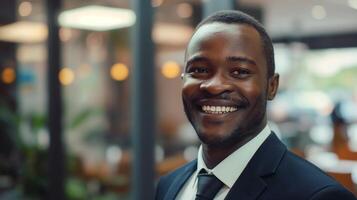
x=240, y=59
x=196, y=59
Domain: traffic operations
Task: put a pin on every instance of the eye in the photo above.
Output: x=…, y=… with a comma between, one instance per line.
x=240, y=73
x=198, y=70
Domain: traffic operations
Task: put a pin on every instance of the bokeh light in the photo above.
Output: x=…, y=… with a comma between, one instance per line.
x=119, y=72
x=170, y=69
x=25, y=9
x=66, y=76
x=8, y=75
x=318, y=12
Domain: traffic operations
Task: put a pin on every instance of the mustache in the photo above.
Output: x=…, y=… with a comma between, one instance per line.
x=240, y=100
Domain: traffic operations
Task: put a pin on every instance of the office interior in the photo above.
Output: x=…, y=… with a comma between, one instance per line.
x=314, y=112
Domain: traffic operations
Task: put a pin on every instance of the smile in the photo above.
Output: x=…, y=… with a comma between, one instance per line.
x=218, y=109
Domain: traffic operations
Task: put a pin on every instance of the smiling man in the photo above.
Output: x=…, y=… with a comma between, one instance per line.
x=229, y=77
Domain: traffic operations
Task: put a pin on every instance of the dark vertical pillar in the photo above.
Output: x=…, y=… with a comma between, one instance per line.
x=143, y=103
x=211, y=6
x=56, y=157
x=10, y=163
x=8, y=92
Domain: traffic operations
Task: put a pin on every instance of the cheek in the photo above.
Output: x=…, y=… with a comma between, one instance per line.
x=190, y=87
x=252, y=90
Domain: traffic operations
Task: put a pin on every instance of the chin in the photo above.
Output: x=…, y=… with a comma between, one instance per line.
x=224, y=140
x=216, y=140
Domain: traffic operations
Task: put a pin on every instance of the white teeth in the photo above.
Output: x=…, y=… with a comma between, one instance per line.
x=218, y=109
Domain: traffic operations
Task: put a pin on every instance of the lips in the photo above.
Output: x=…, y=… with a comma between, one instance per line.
x=218, y=106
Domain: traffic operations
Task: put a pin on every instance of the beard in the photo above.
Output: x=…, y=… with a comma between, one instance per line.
x=242, y=133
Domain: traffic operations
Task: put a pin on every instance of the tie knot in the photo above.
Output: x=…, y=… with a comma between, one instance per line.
x=208, y=186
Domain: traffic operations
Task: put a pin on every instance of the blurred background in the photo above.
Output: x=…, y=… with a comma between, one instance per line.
x=314, y=113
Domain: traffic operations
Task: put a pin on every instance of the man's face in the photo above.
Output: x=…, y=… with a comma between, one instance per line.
x=226, y=86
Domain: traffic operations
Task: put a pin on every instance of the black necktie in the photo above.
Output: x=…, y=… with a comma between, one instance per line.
x=208, y=186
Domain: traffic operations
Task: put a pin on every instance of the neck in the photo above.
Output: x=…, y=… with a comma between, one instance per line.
x=214, y=154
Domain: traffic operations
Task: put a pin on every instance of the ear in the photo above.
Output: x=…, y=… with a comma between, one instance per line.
x=273, y=84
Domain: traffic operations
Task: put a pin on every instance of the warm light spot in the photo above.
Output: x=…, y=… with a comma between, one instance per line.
x=119, y=72
x=184, y=10
x=66, y=76
x=24, y=32
x=170, y=69
x=25, y=9
x=8, y=75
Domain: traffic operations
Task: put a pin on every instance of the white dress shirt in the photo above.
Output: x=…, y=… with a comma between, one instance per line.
x=227, y=171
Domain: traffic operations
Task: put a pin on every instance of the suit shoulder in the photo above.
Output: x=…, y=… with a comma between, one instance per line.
x=306, y=171
x=333, y=192
x=296, y=174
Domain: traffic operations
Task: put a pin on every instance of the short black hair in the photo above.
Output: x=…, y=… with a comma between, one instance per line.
x=238, y=17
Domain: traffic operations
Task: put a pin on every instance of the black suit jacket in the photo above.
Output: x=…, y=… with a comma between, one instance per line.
x=273, y=173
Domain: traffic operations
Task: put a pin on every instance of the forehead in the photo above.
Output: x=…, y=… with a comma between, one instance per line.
x=223, y=39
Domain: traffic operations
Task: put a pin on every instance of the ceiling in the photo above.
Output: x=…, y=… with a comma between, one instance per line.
x=294, y=17
x=282, y=18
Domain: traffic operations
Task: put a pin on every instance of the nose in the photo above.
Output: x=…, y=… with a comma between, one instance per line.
x=216, y=85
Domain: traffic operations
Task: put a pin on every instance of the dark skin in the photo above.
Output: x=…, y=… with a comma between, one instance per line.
x=226, y=87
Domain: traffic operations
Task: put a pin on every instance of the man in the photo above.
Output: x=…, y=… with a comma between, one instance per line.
x=229, y=77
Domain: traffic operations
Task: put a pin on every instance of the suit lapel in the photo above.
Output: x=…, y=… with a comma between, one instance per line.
x=180, y=180
x=250, y=185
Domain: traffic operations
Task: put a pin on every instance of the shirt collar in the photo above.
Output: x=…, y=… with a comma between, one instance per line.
x=229, y=169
